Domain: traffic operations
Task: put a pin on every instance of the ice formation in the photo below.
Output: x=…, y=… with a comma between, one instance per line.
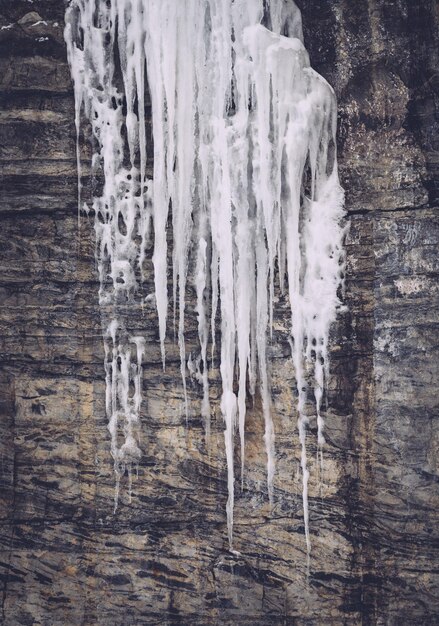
x=244, y=164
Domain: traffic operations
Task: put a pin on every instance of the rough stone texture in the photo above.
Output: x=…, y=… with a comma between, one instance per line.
x=66, y=559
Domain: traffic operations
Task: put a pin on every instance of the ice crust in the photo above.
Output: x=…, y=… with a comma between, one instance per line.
x=244, y=168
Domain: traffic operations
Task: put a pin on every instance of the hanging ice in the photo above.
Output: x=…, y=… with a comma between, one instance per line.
x=244, y=161
x=122, y=407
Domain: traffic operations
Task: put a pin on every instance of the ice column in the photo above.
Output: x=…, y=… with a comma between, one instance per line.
x=245, y=169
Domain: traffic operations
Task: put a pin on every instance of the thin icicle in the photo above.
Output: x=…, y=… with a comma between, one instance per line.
x=203, y=332
x=123, y=407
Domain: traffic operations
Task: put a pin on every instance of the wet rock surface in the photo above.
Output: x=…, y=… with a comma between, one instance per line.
x=66, y=558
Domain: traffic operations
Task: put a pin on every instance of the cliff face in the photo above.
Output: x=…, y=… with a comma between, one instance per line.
x=163, y=559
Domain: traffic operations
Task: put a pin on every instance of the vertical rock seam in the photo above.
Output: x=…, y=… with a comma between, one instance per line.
x=245, y=161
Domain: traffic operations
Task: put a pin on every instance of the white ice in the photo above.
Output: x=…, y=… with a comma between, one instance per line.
x=244, y=164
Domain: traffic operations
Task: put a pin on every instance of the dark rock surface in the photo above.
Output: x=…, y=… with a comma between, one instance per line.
x=66, y=559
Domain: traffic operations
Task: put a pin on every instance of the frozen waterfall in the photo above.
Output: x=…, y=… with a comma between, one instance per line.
x=245, y=163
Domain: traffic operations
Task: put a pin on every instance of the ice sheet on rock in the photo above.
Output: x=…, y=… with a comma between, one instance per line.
x=244, y=164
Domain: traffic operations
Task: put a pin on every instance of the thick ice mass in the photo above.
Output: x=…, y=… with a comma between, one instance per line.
x=245, y=164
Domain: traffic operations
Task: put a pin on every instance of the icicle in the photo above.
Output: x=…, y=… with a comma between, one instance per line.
x=244, y=161
x=123, y=407
x=203, y=333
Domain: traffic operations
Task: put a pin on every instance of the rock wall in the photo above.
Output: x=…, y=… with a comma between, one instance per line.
x=66, y=559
